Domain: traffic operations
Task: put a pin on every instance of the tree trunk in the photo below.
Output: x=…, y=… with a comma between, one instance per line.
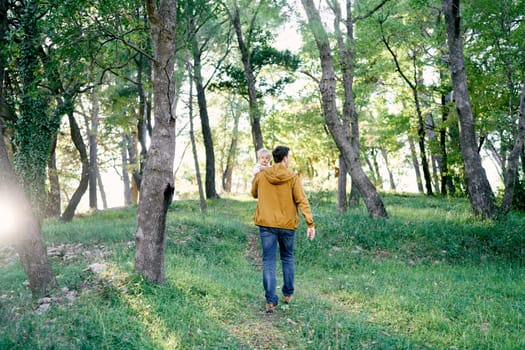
x=436, y=166
x=136, y=172
x=202, y=199
x=92, y=140
x=28, y=238
x=33, y=255
x=415, y=164
x=523, y=159
x=205, y=122
x=53, y=195
x=101, y=189
x=435, y=158
x=353, y=198
x=514, y=156
x=480, y=193
x=377, y=171
x=387, y=164
x=5, y=162
x=232, y=153
x=327, y=87
x=125, y=170
x=422, y=149
x=342, y=202
x=34, y=132
x=373, y=177
x=255, y=114
x=446, y=179
x=143, y=123
x=349, y=120
x=78, y=141
x=157, y=187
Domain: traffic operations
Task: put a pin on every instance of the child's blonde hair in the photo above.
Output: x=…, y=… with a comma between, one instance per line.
x=262, y=151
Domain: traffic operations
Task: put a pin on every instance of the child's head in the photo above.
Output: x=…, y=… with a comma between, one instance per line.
x=263, y=156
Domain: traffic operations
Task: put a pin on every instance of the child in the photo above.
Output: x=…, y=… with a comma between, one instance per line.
x=263, y=157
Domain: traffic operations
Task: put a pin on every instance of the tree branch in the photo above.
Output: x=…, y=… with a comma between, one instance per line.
x=371, y=12
x=394, y=56
x=310, y=75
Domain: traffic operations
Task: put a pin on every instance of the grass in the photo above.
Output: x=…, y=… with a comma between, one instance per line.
x=429, y=277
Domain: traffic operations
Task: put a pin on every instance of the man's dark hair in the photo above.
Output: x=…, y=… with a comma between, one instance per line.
x=279, y=153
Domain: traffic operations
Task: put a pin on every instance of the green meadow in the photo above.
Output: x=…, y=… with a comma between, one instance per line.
x=431, y=276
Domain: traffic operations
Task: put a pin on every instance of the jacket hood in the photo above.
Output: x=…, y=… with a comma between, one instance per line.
x=278, y=174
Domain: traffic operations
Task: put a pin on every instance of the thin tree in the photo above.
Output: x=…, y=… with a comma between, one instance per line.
x=255, y=112
x=53, y=193
x=202, y=199
x=511, y=175
x=78, y=141
x=125, y=169
x=203, y=27
x=92, y=128
x=414, y=85
x=231, y=154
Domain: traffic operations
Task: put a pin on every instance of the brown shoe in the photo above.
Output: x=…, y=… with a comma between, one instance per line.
x=270, y=307
x=287, y=299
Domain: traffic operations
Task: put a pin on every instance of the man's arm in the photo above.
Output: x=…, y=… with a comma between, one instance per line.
x=302, y=203
x=255, y=185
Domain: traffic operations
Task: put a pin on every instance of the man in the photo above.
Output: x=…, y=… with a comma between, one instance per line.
x=280, y=194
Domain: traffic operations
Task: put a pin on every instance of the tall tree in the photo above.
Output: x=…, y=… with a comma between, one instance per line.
x=255, y=111
x=494, y=62
x=204, y=27
x=478, y=186
x=34, y=129
x=202, y=200
x=327, y=88
x=413, y=81
x=157, y=184
x=252, y=22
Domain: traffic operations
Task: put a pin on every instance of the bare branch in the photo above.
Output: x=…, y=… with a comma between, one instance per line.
x=310, y=75
x=372, y=11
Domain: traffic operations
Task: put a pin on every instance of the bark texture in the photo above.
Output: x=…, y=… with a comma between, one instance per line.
x=76, y=137
x=125, y=170
x=478, y=186
x=28, y=238
x=327, y=87
x=157, y=187
x=93, y=166
x=342, y=201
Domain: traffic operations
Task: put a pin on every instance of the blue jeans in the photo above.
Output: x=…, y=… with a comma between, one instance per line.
x=270, y=237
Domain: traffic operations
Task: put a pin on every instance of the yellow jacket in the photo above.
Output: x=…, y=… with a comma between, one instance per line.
x=280, y=194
